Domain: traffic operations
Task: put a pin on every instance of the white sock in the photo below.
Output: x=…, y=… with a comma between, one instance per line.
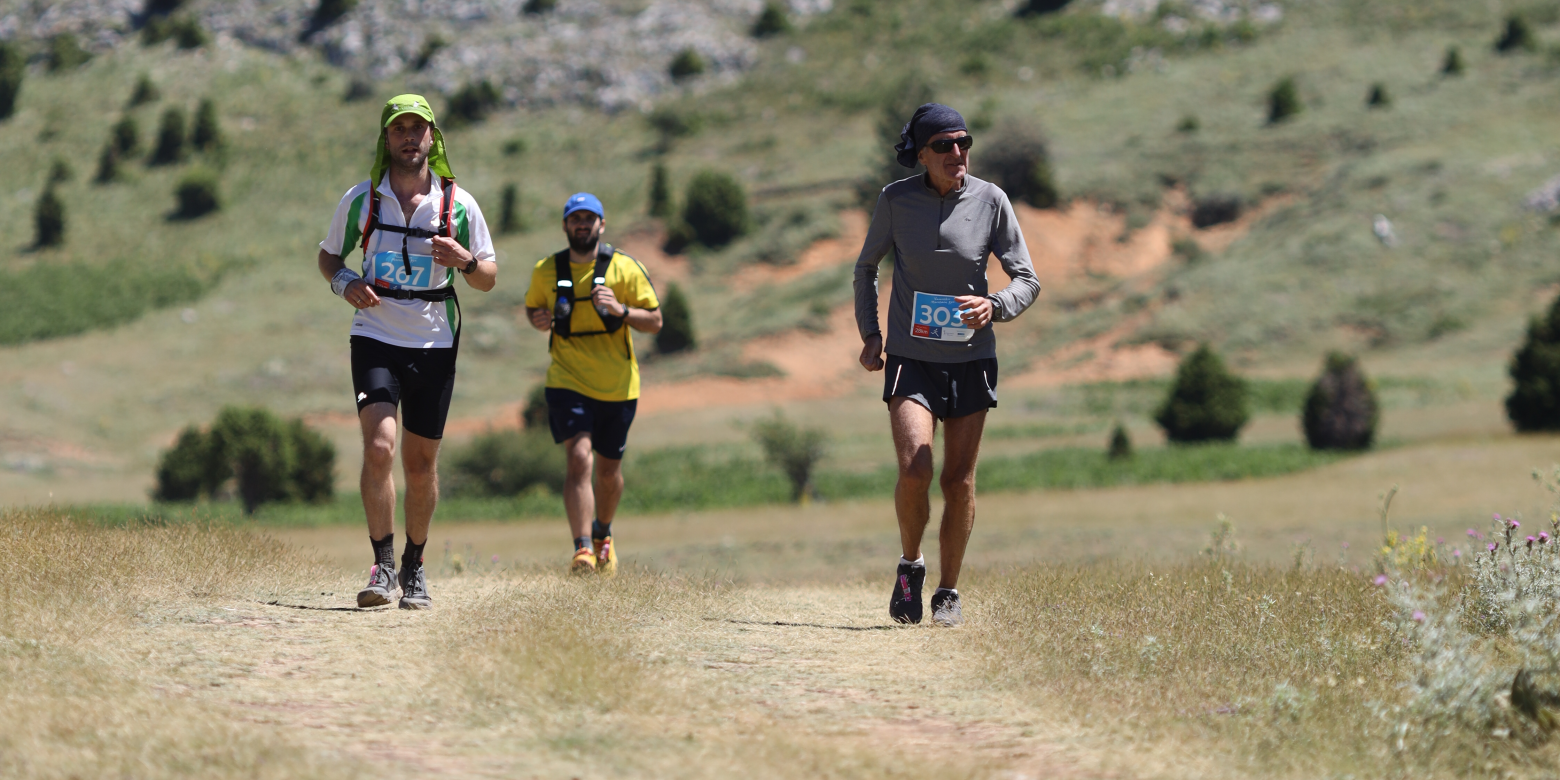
x=921, y=561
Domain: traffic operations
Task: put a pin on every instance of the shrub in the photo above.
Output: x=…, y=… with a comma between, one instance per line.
x=1206, y=403
x=514, y=147
x=170, y=147
x=473, y=102
x=507, y=463
x=155, y=8
x=771, y=21
x=431, y=46
x=1340, y=411
x=1120, y=444
x=196, y=195
x=508, y=209
x=676, y=323
x=1188, y=250
x=13, y=67
x=1453, y=64
x=1283, y=101
x=1379, y=97
x=795, y=451
x=1017, y=161
x=65, y=53
x=145, y=91
x=1518, y=36
x=49, y=219
x=538, y=7
x=60, y=171
x=1534, y=403
x=125, y=137
x=359, y=88
x=783, y=235
x=1040, y=7
x=678, y=237
x=207, y=132
x=660, y=192
x=185, y=31
x=1189, y=124
x=533, y=416
x=327, y=13
x=268, y=459
x=715, y=207
x=108, y=164
x=1216, y=210
x=686, y=64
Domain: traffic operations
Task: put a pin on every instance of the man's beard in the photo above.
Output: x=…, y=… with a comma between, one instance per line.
x=415, y=165
x=583, y=245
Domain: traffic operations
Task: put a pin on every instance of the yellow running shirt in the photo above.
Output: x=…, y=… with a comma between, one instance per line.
x=603, y=366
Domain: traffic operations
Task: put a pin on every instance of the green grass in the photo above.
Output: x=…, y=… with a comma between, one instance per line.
x=49, y=300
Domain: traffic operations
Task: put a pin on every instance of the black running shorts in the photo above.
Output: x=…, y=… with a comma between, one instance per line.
x=420, y=381
x=571, y=414
x=947, y=389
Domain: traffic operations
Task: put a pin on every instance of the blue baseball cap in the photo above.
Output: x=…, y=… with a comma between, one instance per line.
x=583, y=201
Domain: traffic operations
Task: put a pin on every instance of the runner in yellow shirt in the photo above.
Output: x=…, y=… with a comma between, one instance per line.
x=593, y=383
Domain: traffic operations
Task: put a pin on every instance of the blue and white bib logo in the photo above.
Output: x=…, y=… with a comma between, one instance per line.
x=936, y=317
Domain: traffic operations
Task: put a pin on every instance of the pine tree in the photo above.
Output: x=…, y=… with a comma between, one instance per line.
x=170, y=138
x=676, y=323
x=49, y=217
x=1534, y=403
x=1120, y=444
x=1453, y=64
x=13, y=67
x=1206, y=403
x=508, y=209
x=660, y=192
x=207, y=133
x=1283, y=101
x=1340, y=411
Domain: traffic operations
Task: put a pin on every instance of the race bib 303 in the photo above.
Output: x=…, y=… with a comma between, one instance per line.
x=387, y=270
x=936, y=317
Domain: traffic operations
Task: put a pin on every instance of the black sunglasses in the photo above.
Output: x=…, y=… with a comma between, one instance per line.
x=946, y=145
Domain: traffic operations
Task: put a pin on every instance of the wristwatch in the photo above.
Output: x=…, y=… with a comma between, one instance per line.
x=471, y=266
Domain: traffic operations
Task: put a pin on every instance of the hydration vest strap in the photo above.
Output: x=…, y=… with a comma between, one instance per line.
x=446, y=228
x=604, y=255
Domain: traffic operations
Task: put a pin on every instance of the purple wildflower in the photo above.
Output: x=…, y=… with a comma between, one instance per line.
x=1456, y=553
x=1515, y=525
x=1530, y=541
x=1492, y=547
x=1543, y=537
x=495, y=559
x=1472, y=534
x=1439, y=540
x=1381, y=579
x=1419, y=616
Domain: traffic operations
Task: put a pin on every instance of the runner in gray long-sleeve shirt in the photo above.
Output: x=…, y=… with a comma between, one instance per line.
x=942, y=362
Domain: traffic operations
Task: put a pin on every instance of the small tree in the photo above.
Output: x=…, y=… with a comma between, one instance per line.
x=1379, y=97
x=327, y=13
x=508, y=209
x=13, y=67
x=196, y=195
x=715, y=208
x=170, y=147
x=1453, y=64
x=685, y=65
x=270, y=460
x=1340, y=411
x=1206, y=403
x=534, y=415
x=1040, y=7
x=1120, y=444
x=126, y=136
x=1016, y=160
x=793, y=450
x=314, y=464
x=771, y=21
x=60, y=171
x=507, y=463
x=539, y=7
x=660, y=192
x=1283, y=101
x=676, y=323
x=1534, y=403
x=1517, y=36
x=49, y=218
x=65, y=53
x=108, y=164
x=473, y=102
x=207, y=132
x=181, y=473
x=145, y=92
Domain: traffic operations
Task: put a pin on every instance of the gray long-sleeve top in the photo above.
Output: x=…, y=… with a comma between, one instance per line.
x=940, y=246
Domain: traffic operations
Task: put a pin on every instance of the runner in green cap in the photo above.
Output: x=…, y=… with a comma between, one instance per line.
x=417, y=230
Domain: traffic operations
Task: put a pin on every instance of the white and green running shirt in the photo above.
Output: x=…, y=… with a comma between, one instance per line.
x=413, y=323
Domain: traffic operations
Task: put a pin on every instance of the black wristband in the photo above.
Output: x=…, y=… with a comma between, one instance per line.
x=471, y=266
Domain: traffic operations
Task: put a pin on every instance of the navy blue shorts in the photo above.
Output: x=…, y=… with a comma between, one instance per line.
x=570, y=414
x=947, y=389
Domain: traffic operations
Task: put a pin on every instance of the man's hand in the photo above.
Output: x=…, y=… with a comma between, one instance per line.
x=872, y=353
x=361, y=294
x=541, y=319
x=449, y=253
x=601, y=296
x=974, y=310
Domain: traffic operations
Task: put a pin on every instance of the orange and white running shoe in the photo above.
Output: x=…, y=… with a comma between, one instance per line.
x=606, y=556
x=584, y=561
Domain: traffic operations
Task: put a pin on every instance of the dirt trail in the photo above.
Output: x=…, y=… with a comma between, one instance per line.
x=820, y=662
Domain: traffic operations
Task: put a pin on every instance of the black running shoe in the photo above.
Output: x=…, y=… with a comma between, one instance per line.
x=945, y=608
x=414, y=589
x=382, y=588
x=904, y=606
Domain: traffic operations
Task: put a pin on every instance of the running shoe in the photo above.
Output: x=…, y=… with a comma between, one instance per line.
x=904, y=606
x=606, y=556
x=382, y=588
x=414, y=589
x=584, y=561
x=945, y=608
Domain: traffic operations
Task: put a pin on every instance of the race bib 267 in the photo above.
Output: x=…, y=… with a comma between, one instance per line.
x=388, y=271
x=936, y=317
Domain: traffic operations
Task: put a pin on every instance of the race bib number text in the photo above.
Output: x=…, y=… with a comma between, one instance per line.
x=936, y=317
x=388, y=271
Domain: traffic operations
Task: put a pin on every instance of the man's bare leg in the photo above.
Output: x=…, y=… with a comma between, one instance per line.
x=913, y=426
x=609, y=487
x=579, y=501
x=961, y=449
x=377, y=482
x=420, y=462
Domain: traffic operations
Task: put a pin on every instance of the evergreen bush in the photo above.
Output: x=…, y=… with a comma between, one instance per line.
x=1340, y=411
x=65, y=53
x=508, y=209
x=181, y=473
x=431, y=46
x=268, y=460
x=60, y=171
x=1120, y=444
x=1379, y=97
x=185, y=31
x=1283, y=101
x=108, y=164
x=196, y=195
x=1534, y=403
x=13, y=67
x=1206, y=402
x=539, y=7
x=358, y=88
x=146, y=91
x=795, y=451
x=1216, y=210
x=170, y=147
x=1040, y=7
x=473, y=102
x=1189, y=124
x=715, y=207
x=507, y=463
x=678, y=237
x=1016, y=160
x=49, y=219
x=207, y=132
x=327, y=13
x=676, y=323
x=1452, y=65
x=660, y=192
x=686, y=64
x=126, y=137
x=1517, y=36
x=155, y=8
x=534, y=415
x=771, y=21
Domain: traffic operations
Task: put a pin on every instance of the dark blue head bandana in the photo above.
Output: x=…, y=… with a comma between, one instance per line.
x=928, y=120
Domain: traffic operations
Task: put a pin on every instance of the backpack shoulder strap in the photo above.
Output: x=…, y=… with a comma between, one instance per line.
x=604, y=254
x=373, y=214
x=447, y=209
x=561, y=267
